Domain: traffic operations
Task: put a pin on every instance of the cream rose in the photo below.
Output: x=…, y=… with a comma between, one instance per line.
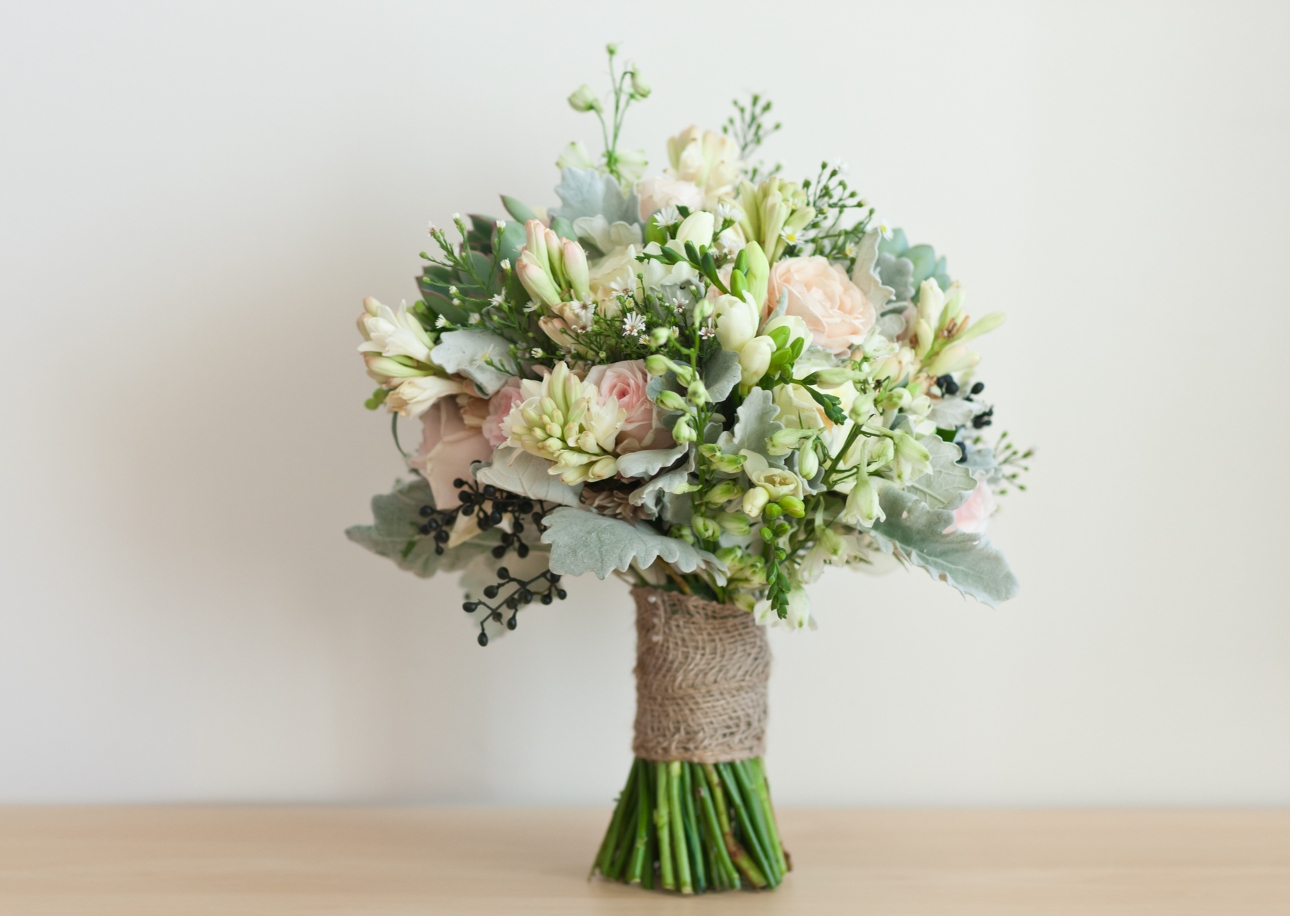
x=448, y=447
x=820, y=293
x=626, y=383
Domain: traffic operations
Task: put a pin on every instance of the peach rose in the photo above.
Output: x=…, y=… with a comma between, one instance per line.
x=626, y=381
x=657, y=193
x=974, y=514
x=448, y=447
x=820, y=293
x=499, y=408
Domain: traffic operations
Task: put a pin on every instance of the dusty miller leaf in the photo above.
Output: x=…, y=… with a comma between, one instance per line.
x=465, y=352
x=865, y=273
x=721, y=375
x=948, y=483
x=650, y=494
x=582, y=541
x=649, y=462
x=587, y=192
x=394, y=533
x=520, y=472
x=754, y=423
x=969, y=562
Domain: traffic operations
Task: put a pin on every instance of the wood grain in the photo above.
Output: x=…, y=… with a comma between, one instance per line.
x=187, y=861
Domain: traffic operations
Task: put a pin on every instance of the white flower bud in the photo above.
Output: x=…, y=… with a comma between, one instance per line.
x=754, y=501
x=583, y=99
x=754, y=360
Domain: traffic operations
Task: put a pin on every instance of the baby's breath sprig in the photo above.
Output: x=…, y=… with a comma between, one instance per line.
x=748, y=127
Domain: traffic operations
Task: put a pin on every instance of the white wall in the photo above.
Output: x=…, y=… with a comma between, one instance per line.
x=194, y=199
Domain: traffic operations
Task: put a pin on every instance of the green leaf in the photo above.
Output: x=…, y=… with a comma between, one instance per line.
x=464, y=352
x=647, y=463
x=969, y=562
x=395, y=535
x=948, y=483
x=924, y=261
x=508, y=242
x=518, y=471
x=518, y=210
x=582, y=541
x=587, y=192
x=564, y=228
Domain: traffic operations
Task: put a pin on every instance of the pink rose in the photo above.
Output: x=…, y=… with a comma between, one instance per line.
x=820, y=293
x=657, y=193
x=499, y=408
x=626, y=381
x=448, y=447
x=974, y=514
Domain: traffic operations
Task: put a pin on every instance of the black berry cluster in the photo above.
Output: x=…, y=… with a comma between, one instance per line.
x=521, y=593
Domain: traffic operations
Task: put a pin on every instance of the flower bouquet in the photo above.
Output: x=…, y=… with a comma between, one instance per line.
x=713, y=383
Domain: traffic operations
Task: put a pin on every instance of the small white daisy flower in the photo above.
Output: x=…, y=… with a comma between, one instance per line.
x=501, y=224
x=707, y=332
x=441, y=322
x=884, y=228
x=789, y=234
x=634, y=325
x=498, y=299
x=536, y=352
x=432, y=228
x=849, y=251
x=506, y=263
x=531, y=307
x=667, y=216
x=475, y=317
x=727, y=210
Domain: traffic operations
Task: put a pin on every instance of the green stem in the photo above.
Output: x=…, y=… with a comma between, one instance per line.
x=753, y=802
x=741, y=812
x=638, y=860
x=763, y=792
x=662, y=827
x=738, y=855
x=724, y=867
x=679, y=849
x=692, y=829
x=622, y=844
x=611, y=835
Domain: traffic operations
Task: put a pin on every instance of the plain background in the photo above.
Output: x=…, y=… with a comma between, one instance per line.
x=195, y=198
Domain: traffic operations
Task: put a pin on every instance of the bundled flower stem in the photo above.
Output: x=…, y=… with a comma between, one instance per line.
x=692, y=828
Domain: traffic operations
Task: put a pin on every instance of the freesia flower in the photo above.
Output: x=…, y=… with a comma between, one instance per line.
x=776, y=482
x=391, y=333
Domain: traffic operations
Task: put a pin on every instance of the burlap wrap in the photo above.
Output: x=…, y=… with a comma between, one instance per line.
x=702, y=669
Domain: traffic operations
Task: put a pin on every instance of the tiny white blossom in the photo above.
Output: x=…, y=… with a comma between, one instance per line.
x=707, y=332
x=498, y=299
x=726, y=210
x=453, y=291
x=884, y=228
x=634, y=325
x=789, y=234
x=501, y=224
x=849, y=251
x=536, y=352
x=475, y=318
x=531, y=307
x=456, y=217
x=840, y=166
x=506, y=263
x=441, y=322
x=667, y=216
x=432, y=228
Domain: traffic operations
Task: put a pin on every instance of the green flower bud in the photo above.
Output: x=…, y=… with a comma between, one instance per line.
x=698, y=393
x=657, y=364
x=773, y=511
x=723, y=492
x=808, y=462
x=670, y=400
x=734, y=523
x=640, y=88
x=792, y=506
x=782, y=528
x=983, y=326
x=705, y=528
x=659, y=336
x=831, y=378
x=583, y=99
x=683, y=431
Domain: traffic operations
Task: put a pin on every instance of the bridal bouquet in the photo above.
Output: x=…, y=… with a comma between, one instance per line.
x=713, y=382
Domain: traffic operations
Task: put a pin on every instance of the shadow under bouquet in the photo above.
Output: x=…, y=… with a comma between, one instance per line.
x=713, y=383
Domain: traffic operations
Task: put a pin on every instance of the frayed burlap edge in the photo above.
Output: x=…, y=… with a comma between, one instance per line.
x=702, y=671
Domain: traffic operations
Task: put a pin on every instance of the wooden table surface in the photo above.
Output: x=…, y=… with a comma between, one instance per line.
x=191, y=861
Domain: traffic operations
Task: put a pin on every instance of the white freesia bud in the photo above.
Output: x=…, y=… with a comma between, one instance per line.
x=639, y=87
x=670, y=400
x=754, y=361
x=754, y=501
x=583, y=99
x=736, y=321
x=683, y=431
x=808, y=462
x=696, y=228
x=758, y=274
x=575, y=269
x=954, y=358
x=796, y=326
x=787, y=439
